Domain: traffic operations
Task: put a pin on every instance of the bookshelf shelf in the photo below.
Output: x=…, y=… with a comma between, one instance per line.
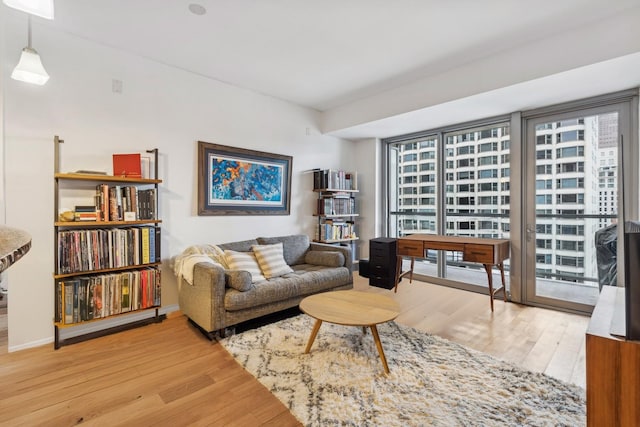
x=84, y=224
x=107, y=261
x=106, y=270
x=337, y=240
x=84, y=322
x=104, y=178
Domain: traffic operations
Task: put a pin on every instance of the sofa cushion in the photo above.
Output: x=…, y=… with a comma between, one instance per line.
x=244, y=261
x=295, y=246
x=239, y=280
x=326, y=258
x=306, y=279
x=271, y=260
x=241, y=246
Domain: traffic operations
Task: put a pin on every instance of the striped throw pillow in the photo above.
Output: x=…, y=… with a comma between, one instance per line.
x=244, y=261
x=271, y=260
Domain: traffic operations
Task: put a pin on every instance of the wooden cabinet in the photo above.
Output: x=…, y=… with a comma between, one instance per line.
x=107, y=252
x=613, y=367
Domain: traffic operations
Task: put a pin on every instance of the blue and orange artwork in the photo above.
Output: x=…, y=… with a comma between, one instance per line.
x=236, y=180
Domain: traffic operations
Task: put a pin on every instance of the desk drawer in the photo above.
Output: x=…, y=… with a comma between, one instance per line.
x=444, y=246
x=410, y=248
x=478, y=253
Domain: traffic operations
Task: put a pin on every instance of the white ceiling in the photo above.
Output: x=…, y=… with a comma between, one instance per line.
x=325, y=54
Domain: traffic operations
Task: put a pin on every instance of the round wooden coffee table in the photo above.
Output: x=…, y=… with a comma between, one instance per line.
x=351, y=308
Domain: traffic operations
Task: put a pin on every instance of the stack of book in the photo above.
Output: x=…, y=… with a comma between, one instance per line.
x=330, y=179
x=120, y=203
x=336, y=204
x=336, y=230
x=98, y=249
x=92, y=297
x=85, y=213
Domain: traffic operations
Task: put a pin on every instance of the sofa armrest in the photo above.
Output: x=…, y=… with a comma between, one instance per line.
x=203, y=302
x=345, y=250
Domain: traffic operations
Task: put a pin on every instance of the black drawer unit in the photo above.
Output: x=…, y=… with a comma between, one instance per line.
x=382, y=262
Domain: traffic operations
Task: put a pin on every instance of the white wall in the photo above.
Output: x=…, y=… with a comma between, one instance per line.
x=160, y=107
x=550, y=54
x=369, y=201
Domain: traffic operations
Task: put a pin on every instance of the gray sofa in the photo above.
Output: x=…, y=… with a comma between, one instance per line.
x=214, y=303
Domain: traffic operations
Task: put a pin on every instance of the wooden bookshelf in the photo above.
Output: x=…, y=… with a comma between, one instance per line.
x=109, y=267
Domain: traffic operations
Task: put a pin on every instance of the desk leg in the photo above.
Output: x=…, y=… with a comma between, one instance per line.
x=489, y=276
x=413, y=260
x=504, y=285
x=399, y=273
x=398, y=270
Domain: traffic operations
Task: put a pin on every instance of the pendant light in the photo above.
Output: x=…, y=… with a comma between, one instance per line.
x=29, y=68
x=41, y=8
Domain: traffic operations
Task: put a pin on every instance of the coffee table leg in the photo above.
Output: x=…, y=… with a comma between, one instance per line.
x=376, y=338
x=314, y=332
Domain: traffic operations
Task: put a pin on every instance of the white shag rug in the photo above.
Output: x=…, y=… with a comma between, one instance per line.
x=433, y=382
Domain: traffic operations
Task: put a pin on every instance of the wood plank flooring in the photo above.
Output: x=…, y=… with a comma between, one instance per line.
x=169, y=374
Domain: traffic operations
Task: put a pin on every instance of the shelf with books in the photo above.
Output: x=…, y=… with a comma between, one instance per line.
x=107, y=250
x=91, y=297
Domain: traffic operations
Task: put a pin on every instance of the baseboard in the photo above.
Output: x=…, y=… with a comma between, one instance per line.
x=96, y=327
x=31, y=344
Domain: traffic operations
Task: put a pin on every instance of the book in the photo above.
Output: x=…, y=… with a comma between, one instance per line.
x=59, y=301
x=90, y=172
x=125, y=300
x=154, y=244
x=68, y=302
x=76, y=305
x=127, y=165
x=145, y=165
x=145, y=248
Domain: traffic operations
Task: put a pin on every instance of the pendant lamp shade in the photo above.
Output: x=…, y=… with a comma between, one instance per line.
x=41, y=8
x=30, y=69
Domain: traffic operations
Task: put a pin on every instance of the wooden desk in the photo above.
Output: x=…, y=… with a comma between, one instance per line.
x=489, y=252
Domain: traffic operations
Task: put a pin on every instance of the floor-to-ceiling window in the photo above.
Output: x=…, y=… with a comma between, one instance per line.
x=453, y=181
x=566, y=175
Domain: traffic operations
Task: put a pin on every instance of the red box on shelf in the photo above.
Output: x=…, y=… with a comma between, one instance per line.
x=127, y=165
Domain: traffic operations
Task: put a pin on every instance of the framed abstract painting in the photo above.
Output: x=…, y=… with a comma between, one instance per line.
x=238, y=181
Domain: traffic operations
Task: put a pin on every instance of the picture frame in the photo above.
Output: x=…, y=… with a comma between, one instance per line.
x=239, y=181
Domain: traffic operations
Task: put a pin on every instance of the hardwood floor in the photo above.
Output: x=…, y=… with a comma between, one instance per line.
x=169, y=374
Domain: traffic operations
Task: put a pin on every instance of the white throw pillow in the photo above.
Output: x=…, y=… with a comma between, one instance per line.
x=244, y=261
x=271, y=260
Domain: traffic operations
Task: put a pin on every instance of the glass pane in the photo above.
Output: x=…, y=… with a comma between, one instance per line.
x=476, y=188
x=477, y=170
x=576, y=195
x=414, y=193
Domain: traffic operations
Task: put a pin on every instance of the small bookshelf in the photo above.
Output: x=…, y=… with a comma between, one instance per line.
x=336, y=208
